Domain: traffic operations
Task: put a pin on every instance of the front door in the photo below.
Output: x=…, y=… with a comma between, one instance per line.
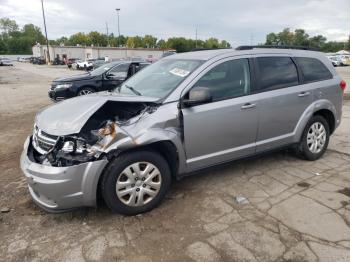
x=115, y=76
x=225, y=128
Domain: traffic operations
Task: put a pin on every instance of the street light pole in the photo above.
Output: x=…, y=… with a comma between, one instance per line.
x=47, y=41
x=118, y=9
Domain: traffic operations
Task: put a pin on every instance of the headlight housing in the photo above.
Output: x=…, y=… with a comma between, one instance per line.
x=63, y=86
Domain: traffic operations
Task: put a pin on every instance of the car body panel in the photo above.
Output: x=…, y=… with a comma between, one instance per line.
x=203, y=135
x=69, y=116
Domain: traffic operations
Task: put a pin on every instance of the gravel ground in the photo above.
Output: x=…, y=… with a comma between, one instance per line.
x=297, y=210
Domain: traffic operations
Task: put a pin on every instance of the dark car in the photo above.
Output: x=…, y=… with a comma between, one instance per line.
x=105, y=78
x=39, y=61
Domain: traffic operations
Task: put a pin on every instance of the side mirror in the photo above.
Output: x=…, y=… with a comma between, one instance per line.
x=197, y=96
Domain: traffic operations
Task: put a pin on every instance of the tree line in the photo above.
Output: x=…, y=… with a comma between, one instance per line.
x=299, y=37
x=16, y=40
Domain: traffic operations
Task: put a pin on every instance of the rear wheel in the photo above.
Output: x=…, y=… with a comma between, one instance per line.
x=315, y=138
x=85, y=91
x=135, y=182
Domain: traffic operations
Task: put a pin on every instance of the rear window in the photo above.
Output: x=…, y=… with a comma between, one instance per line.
x=313, y=69
x=276, y=72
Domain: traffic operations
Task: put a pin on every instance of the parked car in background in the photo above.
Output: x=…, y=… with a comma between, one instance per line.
x=182, y=114
x=58, y=61
x=169, y=53
x=5, y=62
x=105, y=78
x=86, y=65
x=335, y=60
x=96, y=64
x=345, y=60
x=70, y=61
x=39, y=61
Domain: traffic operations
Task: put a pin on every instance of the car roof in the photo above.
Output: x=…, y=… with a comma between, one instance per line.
x=209, y=54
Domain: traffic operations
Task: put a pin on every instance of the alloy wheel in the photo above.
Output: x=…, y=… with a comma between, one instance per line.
x=316, y=137
x=85, y=92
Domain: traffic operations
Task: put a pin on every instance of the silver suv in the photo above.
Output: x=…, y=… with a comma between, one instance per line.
x=184, y=113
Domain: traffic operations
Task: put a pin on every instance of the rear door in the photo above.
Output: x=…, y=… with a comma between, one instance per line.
x=283, y=100
x=225, y=128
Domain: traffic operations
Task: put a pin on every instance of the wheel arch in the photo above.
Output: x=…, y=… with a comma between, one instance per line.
x=164, y=147
x=320, y=107
x=329, y=116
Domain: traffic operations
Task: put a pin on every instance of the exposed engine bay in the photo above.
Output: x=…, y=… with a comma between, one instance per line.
x=102, y=129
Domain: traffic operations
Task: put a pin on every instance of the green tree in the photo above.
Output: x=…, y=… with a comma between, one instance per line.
x=7, y=25
x=150, y=41
x=272, y=39
x=212, y=43
x=33, y=32
x=161, y=44
x=79, y=39
x=97, y=39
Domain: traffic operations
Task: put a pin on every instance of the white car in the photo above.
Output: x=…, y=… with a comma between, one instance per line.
x=5, y=62
x=335, y=60
x=87, y=64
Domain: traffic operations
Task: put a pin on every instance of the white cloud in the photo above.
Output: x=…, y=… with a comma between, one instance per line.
x=239, y=22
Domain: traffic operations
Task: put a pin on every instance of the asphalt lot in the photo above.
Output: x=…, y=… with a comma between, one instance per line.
x=297, y=210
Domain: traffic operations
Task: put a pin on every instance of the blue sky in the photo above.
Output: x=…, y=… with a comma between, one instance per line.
x=239, y=22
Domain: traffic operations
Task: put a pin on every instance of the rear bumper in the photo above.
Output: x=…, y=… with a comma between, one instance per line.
x=58, y=189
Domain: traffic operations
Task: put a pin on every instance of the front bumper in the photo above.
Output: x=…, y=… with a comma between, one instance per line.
x=58, y=95
x=58, y=189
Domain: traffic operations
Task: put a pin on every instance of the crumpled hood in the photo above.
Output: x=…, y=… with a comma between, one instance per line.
x=69, y=116
x=79, y=77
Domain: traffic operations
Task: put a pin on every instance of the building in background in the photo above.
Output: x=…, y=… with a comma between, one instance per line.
x=91, y=52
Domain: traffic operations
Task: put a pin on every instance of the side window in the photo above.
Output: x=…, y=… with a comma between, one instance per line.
x=313, y=69
x=276, y=72
x=120, y=71
x=227, y=80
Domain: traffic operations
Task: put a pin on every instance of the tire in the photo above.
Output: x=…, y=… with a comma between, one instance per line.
x=85, y=91
x=307, y=147
x=115, y=175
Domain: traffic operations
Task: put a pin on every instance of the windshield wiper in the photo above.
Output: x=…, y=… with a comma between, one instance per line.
x=133, y=90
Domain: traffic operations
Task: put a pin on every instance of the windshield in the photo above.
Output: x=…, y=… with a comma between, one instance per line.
x=102, y=69
x=159, y=79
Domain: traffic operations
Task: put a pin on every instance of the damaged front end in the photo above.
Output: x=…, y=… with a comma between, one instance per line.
x=100, y=131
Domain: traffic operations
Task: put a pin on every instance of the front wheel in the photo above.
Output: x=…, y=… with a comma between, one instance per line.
x=85, y=91
x=135, y=182
x=315, y=138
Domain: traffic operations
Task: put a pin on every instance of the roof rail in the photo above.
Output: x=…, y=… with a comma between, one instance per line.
x=204, y=49
x=249, y=47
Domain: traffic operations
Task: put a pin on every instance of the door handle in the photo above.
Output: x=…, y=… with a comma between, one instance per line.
x=303, y=94
x=247, y=106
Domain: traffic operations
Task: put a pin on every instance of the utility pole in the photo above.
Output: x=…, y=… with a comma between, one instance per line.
x=196, y=37
x=47, y=41
x=251, y=38
x=107, y=34
x=118, y=9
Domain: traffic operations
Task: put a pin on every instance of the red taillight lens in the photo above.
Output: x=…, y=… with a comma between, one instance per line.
x=342, y=85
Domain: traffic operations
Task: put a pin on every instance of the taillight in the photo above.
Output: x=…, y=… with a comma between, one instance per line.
x=342, y=85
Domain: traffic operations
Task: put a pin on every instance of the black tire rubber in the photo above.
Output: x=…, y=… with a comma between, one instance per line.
x=303, y=149
x=87, y=89
x=113, y=171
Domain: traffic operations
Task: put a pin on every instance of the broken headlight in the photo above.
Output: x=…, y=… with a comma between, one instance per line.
x=73, y=146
